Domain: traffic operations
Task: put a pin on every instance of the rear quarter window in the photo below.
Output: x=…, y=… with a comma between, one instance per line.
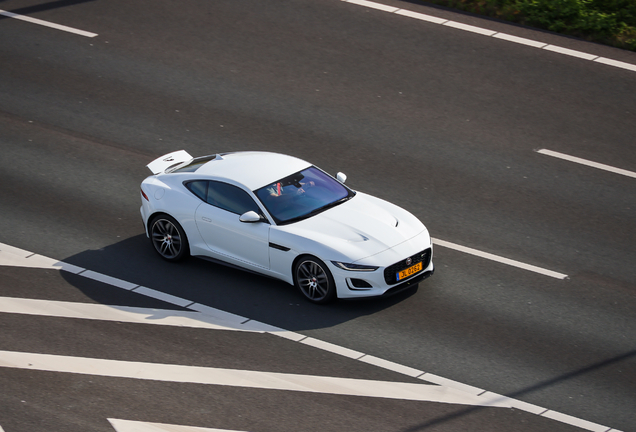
x=199, y=188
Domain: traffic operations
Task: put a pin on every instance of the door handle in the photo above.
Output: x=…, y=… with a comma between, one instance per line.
x=206, y=219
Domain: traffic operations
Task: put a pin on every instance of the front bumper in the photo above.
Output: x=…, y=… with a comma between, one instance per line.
x=357, y=284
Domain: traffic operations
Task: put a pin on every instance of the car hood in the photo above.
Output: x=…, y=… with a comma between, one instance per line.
x=359, y=228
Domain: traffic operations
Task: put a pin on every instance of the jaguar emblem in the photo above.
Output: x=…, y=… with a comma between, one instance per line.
x=409, y=261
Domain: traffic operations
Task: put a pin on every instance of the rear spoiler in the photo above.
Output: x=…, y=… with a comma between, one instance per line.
x=161, y=164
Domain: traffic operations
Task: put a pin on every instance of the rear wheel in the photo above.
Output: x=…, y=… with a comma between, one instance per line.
x=314, y=280
x=168, y=238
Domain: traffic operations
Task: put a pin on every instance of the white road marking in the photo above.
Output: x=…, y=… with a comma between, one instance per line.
x=109, y=280
x=616, y=63
x=127, y=314
x=519, y=40
x=374, y=5
x=587, y=162
x=470, y=28
x=137, y=426
x=500, y=259
x=583, y=424
x=420, y=16
x=392, y=366
x=492, y=33
x=47, y=24
x=332, y=348
x=570, y=52
x=12, y=256
x=245, y=378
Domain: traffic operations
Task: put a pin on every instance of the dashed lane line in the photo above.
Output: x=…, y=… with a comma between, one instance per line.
x=500, y=259
x=587, y=162
x=492, y=33
x=47, y=24
x=12, y=256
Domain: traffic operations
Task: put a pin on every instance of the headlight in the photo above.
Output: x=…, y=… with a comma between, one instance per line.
x=354, y=267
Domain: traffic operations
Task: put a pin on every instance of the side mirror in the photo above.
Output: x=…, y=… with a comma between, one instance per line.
x=341, y=177
x=250, y=217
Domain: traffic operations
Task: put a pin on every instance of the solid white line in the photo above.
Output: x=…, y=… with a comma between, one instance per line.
x=500, y=259
x=492, y=33
x=137, y=426
x=420, y=16
x=336, y=349
x=519, y=40
x=220, y=315
x=100, y=277
x=389, y=365
x=567, y=419
x=47, y=24
x=125, y=314
x=470, y=28
x=159, y=295
x=243, y=378
x=374, y=5
x=587, y=162
x=616, y=63
x=570, y=52
x=436, y=379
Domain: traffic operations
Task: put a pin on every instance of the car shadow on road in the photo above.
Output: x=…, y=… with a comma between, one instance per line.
x=239, y=292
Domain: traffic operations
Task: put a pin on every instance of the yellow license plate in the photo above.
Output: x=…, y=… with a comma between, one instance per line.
x=409, y=271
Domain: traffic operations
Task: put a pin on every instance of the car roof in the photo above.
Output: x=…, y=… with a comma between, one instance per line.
x=254, y=169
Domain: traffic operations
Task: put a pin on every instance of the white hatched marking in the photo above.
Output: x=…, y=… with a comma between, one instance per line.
x=389, y=365
x=243, y=378
x=567, y=419
x=159, y=295
x=336, y=349
x=47, y=24
x=126, y=314
x=100, y=277
x=137, y=426
x=14, y=256
x=450, y=383
x=218, y=314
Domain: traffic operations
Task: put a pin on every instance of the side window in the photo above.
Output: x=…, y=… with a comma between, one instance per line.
x=199, y=188
x=230, y=198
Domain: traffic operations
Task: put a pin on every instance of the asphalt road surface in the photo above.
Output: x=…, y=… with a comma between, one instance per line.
x=529, y=323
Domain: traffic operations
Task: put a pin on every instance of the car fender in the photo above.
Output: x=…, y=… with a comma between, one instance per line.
x=174, y=201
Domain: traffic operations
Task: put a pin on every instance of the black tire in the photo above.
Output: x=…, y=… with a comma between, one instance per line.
x=313, y=279
x=168, y=238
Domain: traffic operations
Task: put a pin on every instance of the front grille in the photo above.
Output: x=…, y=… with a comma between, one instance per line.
x=390, y=273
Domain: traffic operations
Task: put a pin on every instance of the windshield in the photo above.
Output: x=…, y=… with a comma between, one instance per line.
x=302, y=195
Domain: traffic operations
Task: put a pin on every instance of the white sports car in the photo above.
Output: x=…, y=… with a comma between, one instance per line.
x=283, y=217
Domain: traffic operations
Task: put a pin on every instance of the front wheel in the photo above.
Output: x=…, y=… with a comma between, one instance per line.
x=168, y=238
x=314, y=280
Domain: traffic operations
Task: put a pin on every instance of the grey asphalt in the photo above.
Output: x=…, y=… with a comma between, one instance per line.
x=442, y=122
